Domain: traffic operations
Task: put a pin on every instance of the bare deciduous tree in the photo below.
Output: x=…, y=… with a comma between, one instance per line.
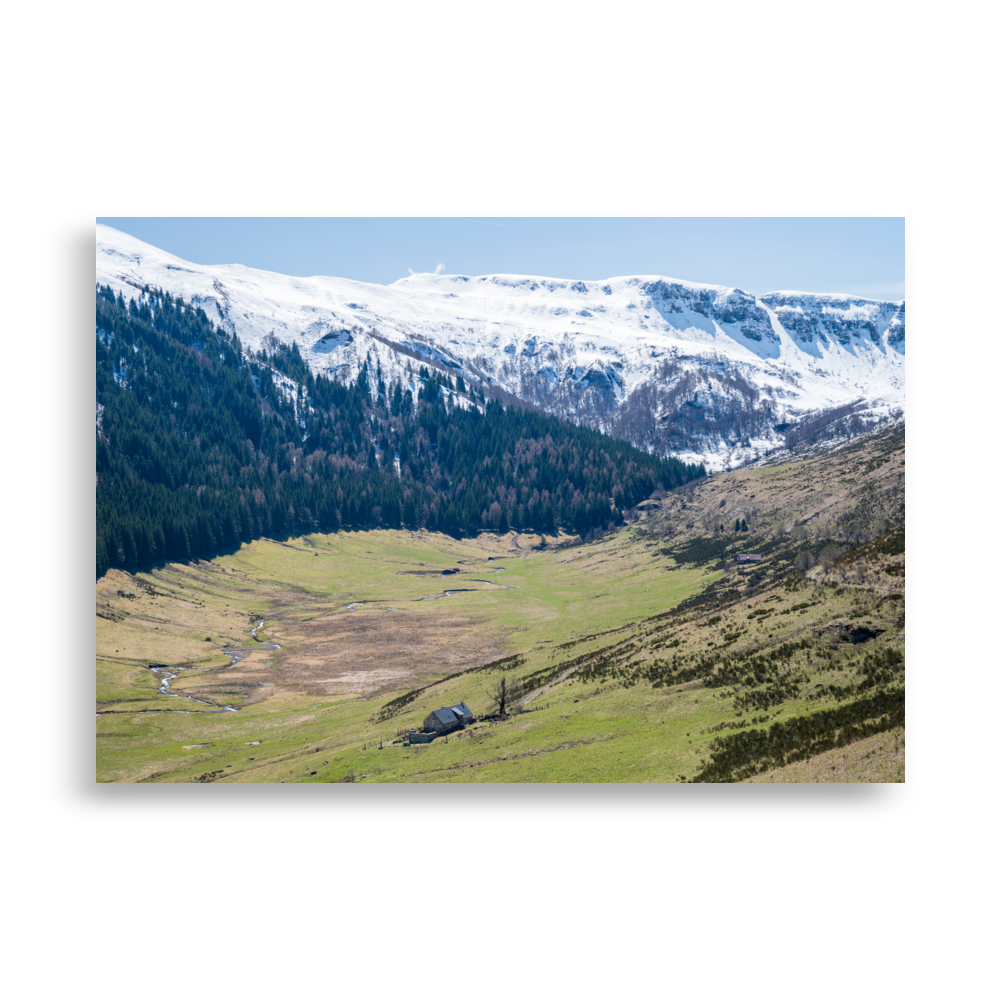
x=506, y=697
x=494, y=516
x=829, y=555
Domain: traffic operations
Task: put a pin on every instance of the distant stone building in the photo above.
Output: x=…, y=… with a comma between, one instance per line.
x=748, y=557
x=442, y=721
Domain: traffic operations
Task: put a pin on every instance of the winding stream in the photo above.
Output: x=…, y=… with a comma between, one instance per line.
x=253, y=632
x=166, y=675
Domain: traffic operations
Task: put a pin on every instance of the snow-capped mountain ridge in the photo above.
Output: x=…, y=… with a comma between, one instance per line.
x=642, y=356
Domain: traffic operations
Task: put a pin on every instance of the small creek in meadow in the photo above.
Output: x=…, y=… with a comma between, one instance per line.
x=166, y=674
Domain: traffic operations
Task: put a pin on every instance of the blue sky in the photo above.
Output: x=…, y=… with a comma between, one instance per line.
x=860, y=256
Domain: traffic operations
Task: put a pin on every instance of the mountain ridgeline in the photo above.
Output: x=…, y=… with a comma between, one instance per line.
x=202, y=445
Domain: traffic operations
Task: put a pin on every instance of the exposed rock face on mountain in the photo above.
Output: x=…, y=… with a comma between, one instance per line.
x=700, y=371
x=815, y=321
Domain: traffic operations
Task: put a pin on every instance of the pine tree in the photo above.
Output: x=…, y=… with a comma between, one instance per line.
x=410, y=513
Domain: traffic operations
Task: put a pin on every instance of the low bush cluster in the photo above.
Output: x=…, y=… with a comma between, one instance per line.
x=744, y=754
x=880, y=669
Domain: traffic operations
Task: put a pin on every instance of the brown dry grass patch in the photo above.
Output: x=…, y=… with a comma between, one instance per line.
x=373, y=649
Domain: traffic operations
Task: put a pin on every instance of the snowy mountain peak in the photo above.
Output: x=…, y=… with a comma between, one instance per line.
x=701, y=371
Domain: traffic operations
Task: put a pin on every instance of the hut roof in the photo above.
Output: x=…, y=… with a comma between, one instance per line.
x=453, y=713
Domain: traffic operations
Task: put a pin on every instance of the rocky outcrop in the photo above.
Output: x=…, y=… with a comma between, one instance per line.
x=840, y=319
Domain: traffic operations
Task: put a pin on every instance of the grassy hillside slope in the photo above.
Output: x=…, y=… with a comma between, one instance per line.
x=646, y=654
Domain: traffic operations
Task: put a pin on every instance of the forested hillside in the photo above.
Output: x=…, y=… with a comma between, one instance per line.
x=201, y=446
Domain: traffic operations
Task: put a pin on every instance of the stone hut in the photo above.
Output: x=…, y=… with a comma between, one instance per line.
x=442, y=721
x=448, y=719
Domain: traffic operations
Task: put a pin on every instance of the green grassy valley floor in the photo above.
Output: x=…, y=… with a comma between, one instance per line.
x=647, y=654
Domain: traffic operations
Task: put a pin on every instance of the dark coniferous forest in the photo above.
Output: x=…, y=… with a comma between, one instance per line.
x=201, y=445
